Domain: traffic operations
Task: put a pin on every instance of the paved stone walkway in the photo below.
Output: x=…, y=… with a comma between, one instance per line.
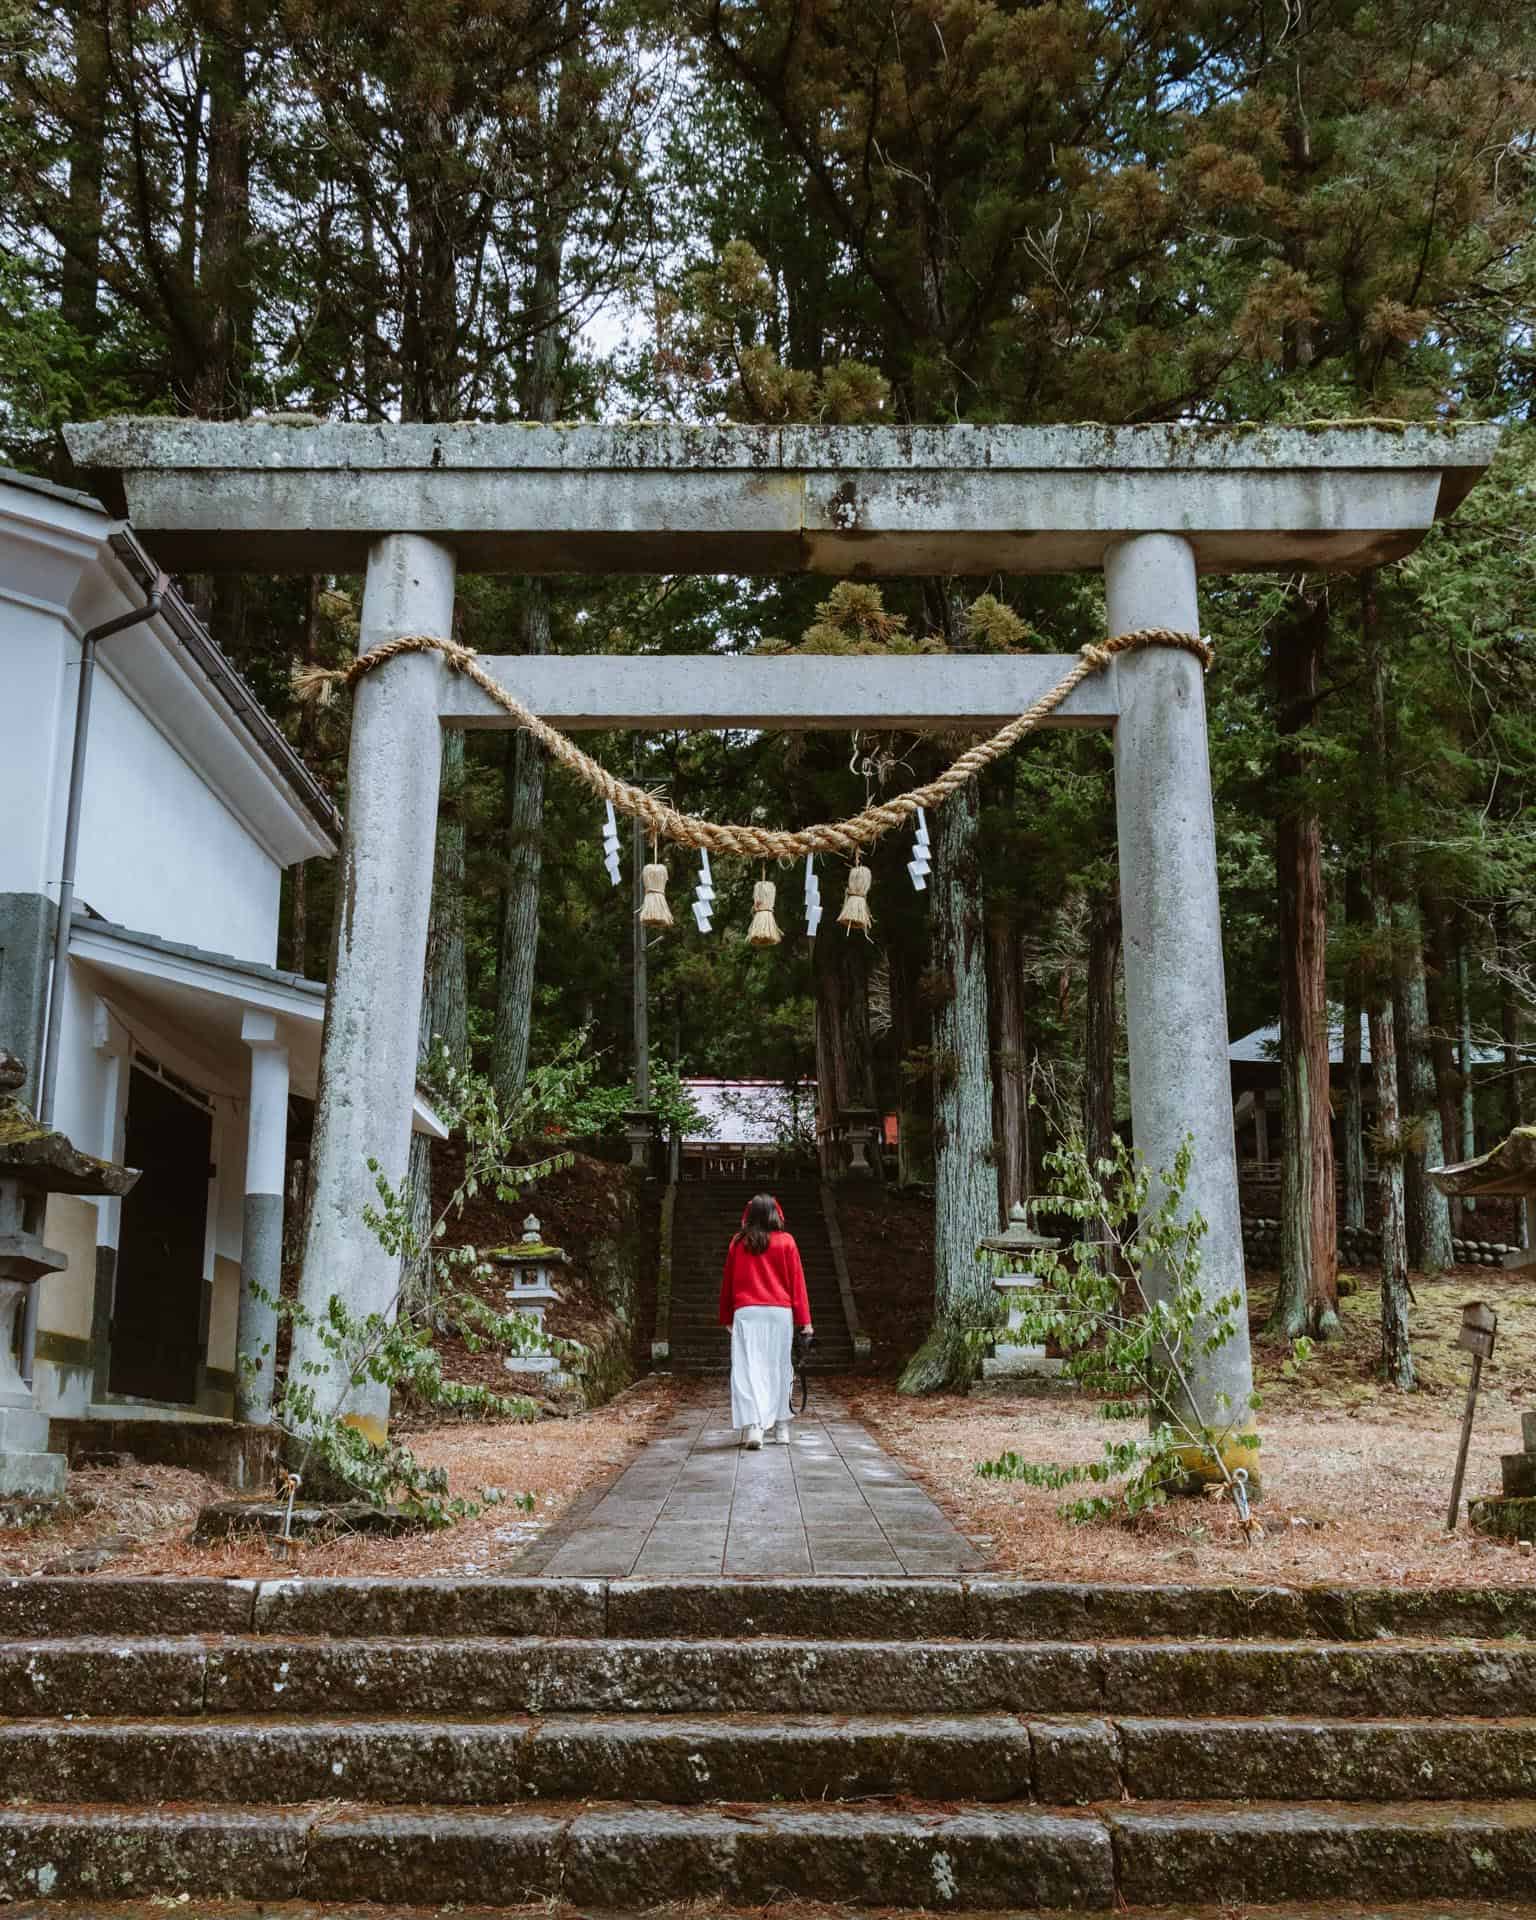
x=693, y=1502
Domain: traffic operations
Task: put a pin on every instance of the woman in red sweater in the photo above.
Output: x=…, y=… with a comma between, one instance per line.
x=762, y=1301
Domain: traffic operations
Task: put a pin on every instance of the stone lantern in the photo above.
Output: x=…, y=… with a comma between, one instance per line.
x=532, y=1292
x=640, y=1131
x=1020, y=1246
x=34, y=1162
x=861, y=1129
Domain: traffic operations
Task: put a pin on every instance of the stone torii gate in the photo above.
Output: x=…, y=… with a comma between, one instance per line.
x=1152, y=506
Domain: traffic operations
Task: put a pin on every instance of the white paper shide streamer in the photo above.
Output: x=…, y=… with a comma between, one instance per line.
x=920, y=863
x=812, y=898
x=704, y=893
x=611, y=844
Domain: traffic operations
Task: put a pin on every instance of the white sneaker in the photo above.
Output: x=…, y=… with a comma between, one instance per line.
x=753, y=1440
x=781, y=1433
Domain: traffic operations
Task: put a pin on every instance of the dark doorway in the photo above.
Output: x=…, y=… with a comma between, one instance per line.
x=158, y=1299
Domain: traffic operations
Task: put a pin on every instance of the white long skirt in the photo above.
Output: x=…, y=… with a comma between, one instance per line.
x=761, y=1371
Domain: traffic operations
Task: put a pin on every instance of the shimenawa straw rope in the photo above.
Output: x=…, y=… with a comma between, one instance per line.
x=768, y=843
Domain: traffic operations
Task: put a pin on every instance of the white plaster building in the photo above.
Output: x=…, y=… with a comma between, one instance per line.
x=181, y=1041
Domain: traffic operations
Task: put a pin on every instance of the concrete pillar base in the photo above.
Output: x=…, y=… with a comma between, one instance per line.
x=1022, y=1363
x=28, y=1471
x=32, y=1476
x=1201, y=1471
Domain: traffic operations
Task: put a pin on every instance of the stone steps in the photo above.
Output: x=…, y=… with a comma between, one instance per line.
x=218, y=1675
x=683, y=1760
x=982, y=1607
x=156, y=1907
x=999, y=1857
x=707, y=1909
x=620, y=1745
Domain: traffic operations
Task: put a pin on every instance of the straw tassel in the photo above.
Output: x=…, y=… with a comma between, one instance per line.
x=317, y=686
x=764, y=930
x=855, y=911
x=654, y=911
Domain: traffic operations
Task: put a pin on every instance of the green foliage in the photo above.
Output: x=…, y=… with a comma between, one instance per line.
x=394, y=1349
x=394, y=1352
x=1123, y=1304
x=562, y=1098
x=713, y=326
x=853, y=620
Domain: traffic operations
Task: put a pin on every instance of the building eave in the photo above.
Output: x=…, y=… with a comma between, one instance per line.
x=164, y=981
x=64, y=555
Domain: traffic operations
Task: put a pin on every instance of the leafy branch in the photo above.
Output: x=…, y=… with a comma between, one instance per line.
x=1124, y=1305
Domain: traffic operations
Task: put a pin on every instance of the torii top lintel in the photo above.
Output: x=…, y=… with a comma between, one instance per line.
x=212, y=496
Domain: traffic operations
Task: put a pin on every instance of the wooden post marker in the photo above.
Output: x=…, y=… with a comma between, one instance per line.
x=1479, y=1324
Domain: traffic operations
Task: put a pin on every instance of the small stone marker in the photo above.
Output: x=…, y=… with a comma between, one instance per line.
x=1519, y=1469
x=1019, y=1245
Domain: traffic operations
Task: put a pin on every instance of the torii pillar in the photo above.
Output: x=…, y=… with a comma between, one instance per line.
x=1170, y=913
x=373, y=1016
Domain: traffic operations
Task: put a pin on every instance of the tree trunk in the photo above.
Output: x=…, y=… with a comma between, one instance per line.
x=914, y=1152
x=1101, y=1024
x=1101, y=1035
x=1413, y=1165
x=523, y=815
x=845, y=1060
x=1010, y=1062
x=1308, y=1295
x=965, y=1181
x=445, y=992
x=80, y=270
x=1423, y=1106
x=639, y=977
x=429, y=320
x=1396, y=1350
x=445, y=1004
x=523, y=774
x=1354, y=1112
x=210, y=375
x=1510, y=1036
x=1464, y=1023
x=1442, y=1051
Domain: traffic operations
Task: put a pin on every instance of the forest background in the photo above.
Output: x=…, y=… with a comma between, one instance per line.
x=865, y=211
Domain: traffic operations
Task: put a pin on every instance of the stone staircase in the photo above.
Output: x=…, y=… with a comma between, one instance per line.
x=705, y=1215
x=938, y=1744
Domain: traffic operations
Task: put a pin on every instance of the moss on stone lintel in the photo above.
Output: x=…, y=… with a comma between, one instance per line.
x=40, y=1157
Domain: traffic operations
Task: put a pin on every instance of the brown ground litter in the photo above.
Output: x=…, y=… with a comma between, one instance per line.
x=1356, y=1478
x=555, y=1460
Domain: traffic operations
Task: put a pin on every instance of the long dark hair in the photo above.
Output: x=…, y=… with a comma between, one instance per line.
x=761, y=1218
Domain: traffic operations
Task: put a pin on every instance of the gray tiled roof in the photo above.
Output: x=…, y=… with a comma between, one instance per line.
x=251, y=969
x=30, y=483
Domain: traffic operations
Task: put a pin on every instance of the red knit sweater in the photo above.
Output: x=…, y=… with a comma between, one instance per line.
x=772, y=1278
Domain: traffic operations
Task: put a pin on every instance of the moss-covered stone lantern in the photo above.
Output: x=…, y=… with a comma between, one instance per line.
x=34, y=1162
x=1019, y=1246
x=532, y=1291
